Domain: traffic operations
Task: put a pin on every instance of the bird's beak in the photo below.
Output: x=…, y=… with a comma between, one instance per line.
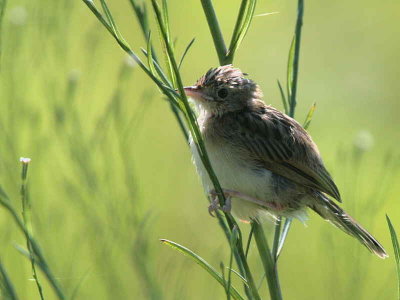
x=194, y=92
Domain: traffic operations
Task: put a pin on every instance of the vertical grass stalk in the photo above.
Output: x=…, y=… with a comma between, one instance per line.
x=215, y=30
x=26, y=216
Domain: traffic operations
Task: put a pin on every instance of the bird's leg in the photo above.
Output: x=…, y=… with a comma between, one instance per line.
x=231, y=193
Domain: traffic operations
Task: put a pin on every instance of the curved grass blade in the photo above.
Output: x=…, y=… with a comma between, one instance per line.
x=150, y=59
x=185, y=52
x=240, y=276
x=284, y=100
x=111, y=21
x=239, y=21
x=309, y=116
x=396, y=249
x=244, y=19
x=205, y=265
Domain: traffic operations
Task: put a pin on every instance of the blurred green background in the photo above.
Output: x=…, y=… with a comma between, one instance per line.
x=111, y=173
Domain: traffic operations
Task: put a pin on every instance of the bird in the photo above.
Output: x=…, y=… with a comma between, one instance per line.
x=266, y=162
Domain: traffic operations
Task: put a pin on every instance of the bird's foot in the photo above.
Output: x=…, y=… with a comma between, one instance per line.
x=214, y=206
x=231, y=193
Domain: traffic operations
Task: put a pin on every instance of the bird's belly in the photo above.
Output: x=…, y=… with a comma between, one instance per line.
x=235, y=174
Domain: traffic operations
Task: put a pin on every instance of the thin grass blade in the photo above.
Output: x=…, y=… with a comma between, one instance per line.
x=166, y=18
x=243, y=28
x=289, y=72
x=185, y=52
x=309, y=116
x=294, y=68
x=285, y=231
x=165, y=38
x=240, y=276
x=205, y=265
x=150, y=59
x=267, y=14
x=110, y=19
x=7, y=288
x=396, y=248
x=239, y=21
x=277, y=234
x=283, y=98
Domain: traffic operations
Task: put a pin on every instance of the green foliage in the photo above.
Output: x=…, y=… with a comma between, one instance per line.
x=35, y=253
x=205, y=265
x=309, y=116
x=396, y=249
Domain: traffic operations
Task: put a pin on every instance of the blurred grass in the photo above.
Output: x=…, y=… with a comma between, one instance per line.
x=105, y=181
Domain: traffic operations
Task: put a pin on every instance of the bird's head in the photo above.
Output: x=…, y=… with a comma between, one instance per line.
x=223, y=89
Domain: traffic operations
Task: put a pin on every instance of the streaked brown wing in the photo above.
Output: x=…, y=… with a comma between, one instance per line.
x=282, y=146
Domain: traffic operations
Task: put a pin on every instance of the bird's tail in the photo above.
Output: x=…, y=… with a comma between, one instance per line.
x=331, y=212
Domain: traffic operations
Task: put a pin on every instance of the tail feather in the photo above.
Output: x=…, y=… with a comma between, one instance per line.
x=327, y=209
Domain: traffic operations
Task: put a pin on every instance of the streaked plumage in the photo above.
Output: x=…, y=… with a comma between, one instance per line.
x=260, y=152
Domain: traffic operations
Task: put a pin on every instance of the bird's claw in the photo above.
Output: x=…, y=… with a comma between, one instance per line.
x=214, y=206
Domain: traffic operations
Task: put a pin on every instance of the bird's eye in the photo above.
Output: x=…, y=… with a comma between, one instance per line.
x=222, y=93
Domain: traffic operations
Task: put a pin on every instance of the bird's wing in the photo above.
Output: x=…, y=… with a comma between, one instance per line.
x=280, y=144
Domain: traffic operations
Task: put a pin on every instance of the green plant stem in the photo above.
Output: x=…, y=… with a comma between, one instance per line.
x=39, y=257
x=215, y=30
x=299, y=24
x=268, y=262
x=27, y=222
x=239, y=21
x=292, y=100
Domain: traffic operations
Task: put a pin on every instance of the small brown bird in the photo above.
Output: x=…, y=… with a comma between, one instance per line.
x=263, y=158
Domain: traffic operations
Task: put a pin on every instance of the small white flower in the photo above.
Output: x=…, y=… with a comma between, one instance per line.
x=18, y=15
x=364, y=140
x=25, y=160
